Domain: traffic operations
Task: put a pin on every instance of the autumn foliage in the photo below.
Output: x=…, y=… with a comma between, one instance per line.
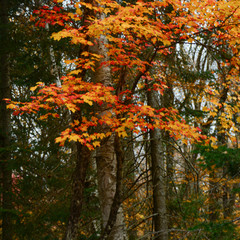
x=131, y=31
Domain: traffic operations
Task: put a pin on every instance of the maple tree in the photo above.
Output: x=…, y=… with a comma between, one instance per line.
x=131, y=41
x=75, y=92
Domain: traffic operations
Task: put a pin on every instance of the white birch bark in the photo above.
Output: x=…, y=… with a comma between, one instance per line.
x=54, y=68
x=105, y=156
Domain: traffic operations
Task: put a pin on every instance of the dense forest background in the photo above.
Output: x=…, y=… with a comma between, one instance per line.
x=119, y=119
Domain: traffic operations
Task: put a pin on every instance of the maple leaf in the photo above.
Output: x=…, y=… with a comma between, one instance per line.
x=11, y=106
x=71, y=107
x=96, y=144
x=33, y=88
x=74, y=137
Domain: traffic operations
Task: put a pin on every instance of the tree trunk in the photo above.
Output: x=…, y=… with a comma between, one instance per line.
x=170, y=166
x=106, y=165
x=106, y=173
x=130, y=174
x=106, y=157
x=79, y=176
x=54, y=67
x=213, y=198
x=214, y=195
x=5, y=157
x=113, y=228
x=229, y=197
x=167, y=101
x=158, y=179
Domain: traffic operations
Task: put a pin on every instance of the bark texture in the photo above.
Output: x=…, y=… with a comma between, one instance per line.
x=5, y=125
x=79, y=176
x=107, y=160
x=54, y=67
x=158, y=178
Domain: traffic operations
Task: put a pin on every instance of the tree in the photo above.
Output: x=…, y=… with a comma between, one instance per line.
x=5, y=125
x=158, y=177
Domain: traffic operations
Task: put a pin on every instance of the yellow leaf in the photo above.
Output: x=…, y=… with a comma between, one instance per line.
x=86, y=100
x=43, y=117
x=76, y=122
x=190, y=40
x=33, y=88
x=74, y=138
x=154, y=40
x=96, y=144
x=76, y=72
x=214, y=146
x=101, y=135
x=125, y=25
x=205, y=109
x=89, y=102
x=140, y=85
x=71, y=107
x=58, y=139
x=93, y=137
x=213, y=114
x=56, y=36
x=79, y=11
x=40, y=83
x=122, y=134
x=238, y=119
x=108, y=134
x=166, y=42
x=11, y=106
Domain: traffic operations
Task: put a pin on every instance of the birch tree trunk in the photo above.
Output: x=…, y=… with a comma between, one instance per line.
x=106, y=156
x=5, y=125
x=158, y=178
x=54, y=67
x=107, y=167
